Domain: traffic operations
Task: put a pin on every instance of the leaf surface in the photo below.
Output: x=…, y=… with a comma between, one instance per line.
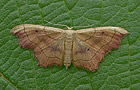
x=119, y=69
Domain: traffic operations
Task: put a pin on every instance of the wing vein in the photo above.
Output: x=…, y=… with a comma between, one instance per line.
x=98, y=50
x=37, y=45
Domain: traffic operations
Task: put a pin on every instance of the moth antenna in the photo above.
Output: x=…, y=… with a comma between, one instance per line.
x=84, y=26
x=60, y=25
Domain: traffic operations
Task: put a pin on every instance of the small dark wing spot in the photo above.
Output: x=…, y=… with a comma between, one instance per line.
x=103, y=33
x=82, y=50
x=53, y=48
x=36, y=30
x=88, y=49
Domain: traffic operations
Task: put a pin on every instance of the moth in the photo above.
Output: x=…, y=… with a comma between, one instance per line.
x=84, y=48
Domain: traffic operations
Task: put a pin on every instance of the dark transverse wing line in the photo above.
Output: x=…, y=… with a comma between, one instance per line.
x=37, y=45
x=98, y=50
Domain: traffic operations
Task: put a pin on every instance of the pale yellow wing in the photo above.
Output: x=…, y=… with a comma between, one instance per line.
x=90, y=45
x=46, y=42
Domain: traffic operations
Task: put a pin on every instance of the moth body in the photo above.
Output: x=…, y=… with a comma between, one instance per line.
x=68, y=44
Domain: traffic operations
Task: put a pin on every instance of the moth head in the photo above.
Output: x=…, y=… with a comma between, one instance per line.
x=69, y=28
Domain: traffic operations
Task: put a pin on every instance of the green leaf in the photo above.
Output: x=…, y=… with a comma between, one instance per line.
x=120, y=68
